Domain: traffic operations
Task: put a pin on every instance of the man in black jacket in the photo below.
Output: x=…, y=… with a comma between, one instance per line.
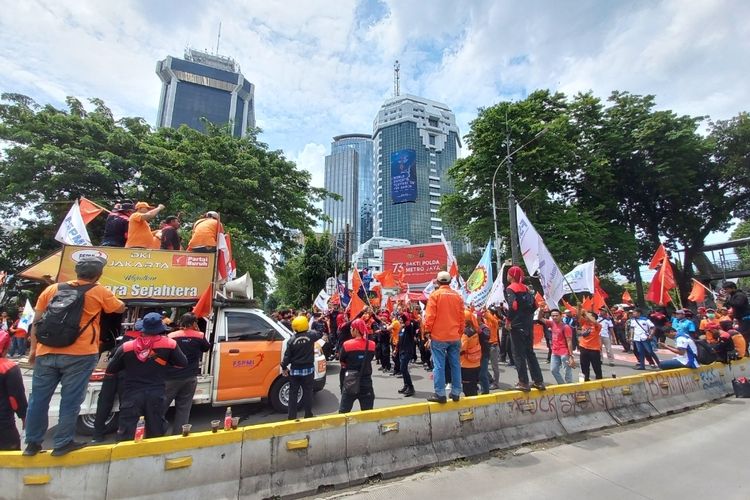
x=738, y=306
x=299, y=365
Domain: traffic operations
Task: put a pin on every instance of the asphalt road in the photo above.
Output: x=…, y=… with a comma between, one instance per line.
x=386, y=393
x=695, y=455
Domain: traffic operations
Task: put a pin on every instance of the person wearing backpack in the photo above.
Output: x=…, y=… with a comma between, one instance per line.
x=685, y=348
x=521, y=307
x=471, y=354
x=64, y=350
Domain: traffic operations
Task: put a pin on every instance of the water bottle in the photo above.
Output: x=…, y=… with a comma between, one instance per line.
x=228, y=419
x=140, y=429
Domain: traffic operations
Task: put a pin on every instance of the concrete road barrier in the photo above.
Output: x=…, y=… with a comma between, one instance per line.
x=665, y=391
x=470, y=427
x=202, y=465
x=528, y=417
x=627, y=399
x=581, y=407
x=389, y=441
x=82, y=474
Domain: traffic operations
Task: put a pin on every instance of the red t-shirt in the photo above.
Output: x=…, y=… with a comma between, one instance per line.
x=560, y=332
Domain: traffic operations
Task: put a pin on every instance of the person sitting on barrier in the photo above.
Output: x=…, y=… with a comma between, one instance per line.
x=724, y=348
x=356, y=363
x=181, y=383
x=145, y=361
x=12, y=398
x=521, y=307
x=299, y=366
x=471, y=354
x=685, y=348
x=562, y=348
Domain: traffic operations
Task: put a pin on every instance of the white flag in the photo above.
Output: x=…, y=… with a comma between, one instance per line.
x=529, y=241
x=24, y=322
x=429, y=289
x=497, y=293
x=580, y=279
x=321, y=301
x=72, y=230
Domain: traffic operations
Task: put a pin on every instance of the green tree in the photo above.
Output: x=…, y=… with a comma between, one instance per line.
x=54, y=156
x=743, y=253
x=300, y=278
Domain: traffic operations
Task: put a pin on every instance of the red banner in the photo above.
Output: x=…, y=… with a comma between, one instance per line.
x=418, y=263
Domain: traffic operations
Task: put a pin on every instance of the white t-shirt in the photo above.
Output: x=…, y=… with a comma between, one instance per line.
x=690, y=358
x=641, y=328
x=606, y=325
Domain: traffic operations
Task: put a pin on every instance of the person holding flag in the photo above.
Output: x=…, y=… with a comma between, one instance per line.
x=521, y=307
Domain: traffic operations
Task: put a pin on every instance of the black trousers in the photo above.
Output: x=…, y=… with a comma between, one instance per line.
x=593, y=359
x=523, y=354
x=506, y=350
x=180, y=390
x=470, y=380
x=105, y=401
x=404, y=359
x=9, y=438
x=385, y=356
x=148, y=403
x=366, y=398
x=306, y=383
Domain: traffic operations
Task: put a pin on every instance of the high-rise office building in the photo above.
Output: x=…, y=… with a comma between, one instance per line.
x=416, y=141
x=205, y=86
x=349, y=173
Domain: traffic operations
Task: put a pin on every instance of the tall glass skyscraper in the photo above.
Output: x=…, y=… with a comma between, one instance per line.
x=349, y=173
x=416, y=142
x=205, y=86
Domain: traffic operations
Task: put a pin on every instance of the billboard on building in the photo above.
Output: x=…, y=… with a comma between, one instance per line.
x=404, y=176
x=419, y=263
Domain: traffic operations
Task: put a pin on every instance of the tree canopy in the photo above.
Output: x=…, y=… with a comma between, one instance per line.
x=52, y=156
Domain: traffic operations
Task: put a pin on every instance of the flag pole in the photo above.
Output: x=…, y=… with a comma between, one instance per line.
x=713, y=294
x=93, y=203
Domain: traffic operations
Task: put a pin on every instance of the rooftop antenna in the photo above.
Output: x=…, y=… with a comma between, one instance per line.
x=218, y=39
x=396, y=89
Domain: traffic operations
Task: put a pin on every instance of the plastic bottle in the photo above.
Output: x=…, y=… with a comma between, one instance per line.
x=228, y=419
x=140, y=429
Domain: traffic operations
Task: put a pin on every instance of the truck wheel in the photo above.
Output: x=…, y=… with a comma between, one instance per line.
x=85, y=424
x=279, y=395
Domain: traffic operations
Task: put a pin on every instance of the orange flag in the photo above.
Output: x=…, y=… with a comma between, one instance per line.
x=89, y=210
x=355, y=306
x=598, y=302
x=203, y=308
x=659, y=256
x=538, y=299
x=661, y=284
x=587, y=304
x=386, y=279
x=626, y=297
x=698, y=293
x=598, y=288
x=569, y=307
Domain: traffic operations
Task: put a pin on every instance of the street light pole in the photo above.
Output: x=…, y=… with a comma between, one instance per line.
x=511, y=201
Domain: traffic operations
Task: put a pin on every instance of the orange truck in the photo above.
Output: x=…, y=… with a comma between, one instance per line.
x=244, y=364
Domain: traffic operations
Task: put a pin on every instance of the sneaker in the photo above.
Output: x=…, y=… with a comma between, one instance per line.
x=455, y=397
x=522, y=387
x=32, y=449
x=539, y=385
x=403, y=390
x=409, y=392
x=494, y=386
x=437, y=399
x=69, y=446
x=399, y=375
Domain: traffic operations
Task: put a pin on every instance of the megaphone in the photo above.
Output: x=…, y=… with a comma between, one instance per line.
x=242, y=286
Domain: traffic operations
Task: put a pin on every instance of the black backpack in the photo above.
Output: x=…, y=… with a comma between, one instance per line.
x=526, y=302
x=706, y=354
x=60, y=323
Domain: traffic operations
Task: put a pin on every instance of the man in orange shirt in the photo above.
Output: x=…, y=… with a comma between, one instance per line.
x=590, y=345
x=444, y=325
x=70, y=365
x=139, y=232
x=493, y=323
x=205, y=233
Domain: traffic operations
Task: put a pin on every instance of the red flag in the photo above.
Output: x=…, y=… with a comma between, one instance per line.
x=538, y=299
x=89, y=210
x=661, y=284
x=389, y=304
x=598, y=302
x=355, y=306
x=598, y=289
x=569, y=307
x=222, y=257
x=386, y=279
x=454, y=270
x=203, y=308
x=659, y=256
x=698, y=293
x=626, y=297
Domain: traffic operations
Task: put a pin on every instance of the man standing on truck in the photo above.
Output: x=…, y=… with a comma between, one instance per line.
x=205, y=233
x=181, y=382
x=299, y=366
x=69, y=365
x=145, y=361
x=139, y=232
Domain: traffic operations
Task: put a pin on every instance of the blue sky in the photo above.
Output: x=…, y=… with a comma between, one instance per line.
x=322, y=68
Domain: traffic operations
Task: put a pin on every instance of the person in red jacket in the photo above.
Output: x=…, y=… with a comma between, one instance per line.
x=521, y=307
x=12, y=398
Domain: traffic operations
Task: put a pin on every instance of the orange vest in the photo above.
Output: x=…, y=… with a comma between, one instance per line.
x=471, y=351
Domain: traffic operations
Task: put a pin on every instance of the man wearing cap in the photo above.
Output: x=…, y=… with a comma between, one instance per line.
x=139, y=232
x=739, y=308
x=443, y=326
x=71, y=366
x=521, y=307
x=205, y=233
x=683, y=325
x=145, y=361
x=116, y=226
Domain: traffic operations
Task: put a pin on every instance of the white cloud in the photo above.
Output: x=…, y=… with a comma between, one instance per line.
x=312, y=159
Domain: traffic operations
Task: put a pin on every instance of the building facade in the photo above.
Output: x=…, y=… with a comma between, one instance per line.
x=349, y=173
x=202, y=87
x=416, y=141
